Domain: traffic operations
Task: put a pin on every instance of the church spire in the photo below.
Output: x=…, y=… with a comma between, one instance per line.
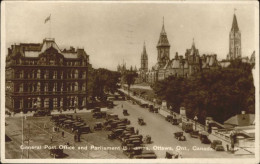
x=234, y=24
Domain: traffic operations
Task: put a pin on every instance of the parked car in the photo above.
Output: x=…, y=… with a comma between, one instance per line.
x=194, y=134
x=219, y=148
x=215, y=143
x=57, y=153
x=187, y=126
x=204, y=137
x=98, y=126
x=84, y=129
x=40, y=113
x=179, y=136
x=169, y=118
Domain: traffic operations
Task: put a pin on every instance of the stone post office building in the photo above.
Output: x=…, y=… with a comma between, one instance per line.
x=42, y=76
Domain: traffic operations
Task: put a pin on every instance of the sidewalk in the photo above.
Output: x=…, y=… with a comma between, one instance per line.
x=57, y=112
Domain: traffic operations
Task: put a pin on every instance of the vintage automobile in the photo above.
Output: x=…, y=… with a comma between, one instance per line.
x=219, y=148
x=176, y=121
x=169, y=155
x=179, y=136
x=98, y=126
x=57, y=152
x=215, y=143
x=141, y=121
x=169, y=118
x=84, y=129
x=77, y=126
x=112, y=116
x=125, y=121
x=156, y=110
x=125, y=112
x=67, y=123
x=110, y=104
x=97, y=115
x=40, y=113
x=96, y=109
x=115, y=133
x=187, y=126
x=130, y=128
x=203, y=136
x=194, y=134
x=147, y=139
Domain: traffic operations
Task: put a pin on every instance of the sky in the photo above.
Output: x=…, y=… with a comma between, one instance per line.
x=115, y=32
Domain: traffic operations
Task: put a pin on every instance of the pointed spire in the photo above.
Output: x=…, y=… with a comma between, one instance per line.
x=163, y=30
x=193, y=43
x=163, y=41
x=144, y=49
x=234, y=24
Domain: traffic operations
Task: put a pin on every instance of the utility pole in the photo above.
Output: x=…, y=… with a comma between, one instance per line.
x=22, y=132
x=28, y=140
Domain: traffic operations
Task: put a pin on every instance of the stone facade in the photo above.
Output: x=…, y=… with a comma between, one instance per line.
x=44, y=77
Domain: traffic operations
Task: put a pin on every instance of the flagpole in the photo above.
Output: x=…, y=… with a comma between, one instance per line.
x=50, y=25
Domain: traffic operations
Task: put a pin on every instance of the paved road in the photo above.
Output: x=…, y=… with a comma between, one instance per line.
x=162, y=131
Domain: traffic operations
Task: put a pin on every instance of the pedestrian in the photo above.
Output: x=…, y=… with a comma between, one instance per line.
x=62, y=133
x=78, y=137
x=137, y=131
x=51, y=138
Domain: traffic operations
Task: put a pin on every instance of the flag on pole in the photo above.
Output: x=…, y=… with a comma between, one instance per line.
x=47, y=19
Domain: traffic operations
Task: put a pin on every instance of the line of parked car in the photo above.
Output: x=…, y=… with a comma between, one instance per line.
x=188, y=128
x=132, y=142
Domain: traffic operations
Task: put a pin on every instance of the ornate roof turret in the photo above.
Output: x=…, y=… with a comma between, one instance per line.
x=163, y=40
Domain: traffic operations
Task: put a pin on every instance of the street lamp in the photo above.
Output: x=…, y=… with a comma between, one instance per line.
x=195, y=119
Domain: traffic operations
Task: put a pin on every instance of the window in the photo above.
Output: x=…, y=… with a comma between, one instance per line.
x=46, y=87
x=46, y=75
x=55, y=74
x=55, y=102
x=46, y=103
x=21, y=88
x=55, y=87
x=39, y=74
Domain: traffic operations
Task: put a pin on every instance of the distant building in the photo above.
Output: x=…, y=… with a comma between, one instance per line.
x=242, y=119
x=41, y=76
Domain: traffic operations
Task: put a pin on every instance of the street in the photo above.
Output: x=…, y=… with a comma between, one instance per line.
x=162, y=131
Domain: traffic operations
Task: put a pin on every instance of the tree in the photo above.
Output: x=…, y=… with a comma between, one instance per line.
x=219, y=93
x=102, y=81
x=129, y=78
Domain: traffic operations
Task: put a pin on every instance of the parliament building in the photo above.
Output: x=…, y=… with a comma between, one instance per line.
x=189, y=63
x=41, y=76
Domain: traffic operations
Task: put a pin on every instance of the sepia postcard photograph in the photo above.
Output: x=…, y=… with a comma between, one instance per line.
x=130, y=82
